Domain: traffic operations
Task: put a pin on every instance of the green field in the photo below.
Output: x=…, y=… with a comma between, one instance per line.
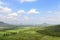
x=26, y=33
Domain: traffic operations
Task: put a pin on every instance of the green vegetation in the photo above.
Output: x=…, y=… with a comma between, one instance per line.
x=51, y=31
x=30, y=33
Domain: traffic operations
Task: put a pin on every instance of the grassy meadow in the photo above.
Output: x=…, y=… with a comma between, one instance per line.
x=29, y=33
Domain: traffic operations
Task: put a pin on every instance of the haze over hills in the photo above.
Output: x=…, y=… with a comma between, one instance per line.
x=3, y=24
x=6, y=25
x=44, y=24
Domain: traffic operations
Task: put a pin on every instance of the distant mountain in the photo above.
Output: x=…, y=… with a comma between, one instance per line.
x=44, y=24
x=2, y=24
x=5, y=26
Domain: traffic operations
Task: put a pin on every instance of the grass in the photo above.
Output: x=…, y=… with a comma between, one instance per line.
x=26, y=33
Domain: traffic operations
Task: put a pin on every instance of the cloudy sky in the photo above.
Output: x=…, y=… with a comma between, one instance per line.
x=30, y=11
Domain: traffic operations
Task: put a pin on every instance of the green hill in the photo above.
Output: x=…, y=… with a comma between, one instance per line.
x=51, y=31
x=31, y=33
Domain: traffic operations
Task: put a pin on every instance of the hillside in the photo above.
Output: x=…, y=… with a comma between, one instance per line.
x=28, y=33
x=51, y=31
x=5, y=26
x=2, y=24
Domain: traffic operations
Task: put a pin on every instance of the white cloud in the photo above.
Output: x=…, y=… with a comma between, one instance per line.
x=10, y=15
x=33, y=11
x=1, y=3
x=13, y=17
x=26, y=18
x=49, y=12
x=5, y=9
x=22, y=1
x=56, y=13
x=21, y=12
x=8, y=19
x=2, y=17
x=52, y=20
x=13, y=14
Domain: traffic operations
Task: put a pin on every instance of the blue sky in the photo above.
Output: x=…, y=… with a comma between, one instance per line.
x=30, y=11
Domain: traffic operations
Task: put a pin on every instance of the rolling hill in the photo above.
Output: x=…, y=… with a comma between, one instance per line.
x=51, y=31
